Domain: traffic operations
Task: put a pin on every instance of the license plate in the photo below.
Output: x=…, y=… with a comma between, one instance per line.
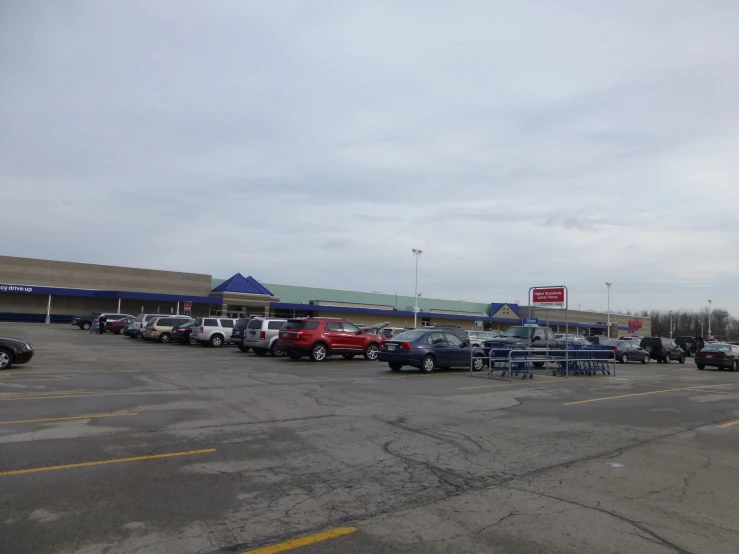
x=709, y=356
x=391, y=347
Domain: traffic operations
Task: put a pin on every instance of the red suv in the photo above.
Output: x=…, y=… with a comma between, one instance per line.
x=320, y=337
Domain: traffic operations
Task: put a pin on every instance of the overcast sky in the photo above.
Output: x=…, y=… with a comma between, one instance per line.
x=315, y=143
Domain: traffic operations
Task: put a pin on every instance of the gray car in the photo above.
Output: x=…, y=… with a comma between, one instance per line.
x=261, y=335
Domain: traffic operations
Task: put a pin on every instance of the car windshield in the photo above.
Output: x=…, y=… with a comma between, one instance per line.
x=717, y=348
x=409, y=336
x=518, y=332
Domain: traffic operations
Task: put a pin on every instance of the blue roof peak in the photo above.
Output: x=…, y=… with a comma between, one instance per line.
x=239, y=283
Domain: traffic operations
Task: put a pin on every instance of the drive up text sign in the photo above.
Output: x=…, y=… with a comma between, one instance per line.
x=550, y=296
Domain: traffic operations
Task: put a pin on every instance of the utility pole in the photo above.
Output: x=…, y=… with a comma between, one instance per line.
x=417, y=253
x=608, y=334
x=709, y=319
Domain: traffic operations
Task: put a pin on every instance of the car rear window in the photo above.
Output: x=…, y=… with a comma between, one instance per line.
x=307, y=325
x=198, y=321
x=275, y=324
x=254, y=324
x=717, y=348
x=211, y=323
x=241, y=324
x=409, y=335
x=139, y=317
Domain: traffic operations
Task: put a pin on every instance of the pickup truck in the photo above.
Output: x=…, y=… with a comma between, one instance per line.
x=86, y=321
x=527, y=337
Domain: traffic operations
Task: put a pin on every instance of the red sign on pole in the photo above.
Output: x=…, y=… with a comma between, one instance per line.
x=635, y=324
x=188, y=305
x=554, y=296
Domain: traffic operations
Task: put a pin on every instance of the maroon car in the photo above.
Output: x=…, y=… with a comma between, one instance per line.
x=117, y=326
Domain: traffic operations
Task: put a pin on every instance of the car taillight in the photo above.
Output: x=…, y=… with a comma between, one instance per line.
x=153, y=329
x=202, y=329
x=405, y=346
x=262, y=335
x=661, y=348
x=720, y=355
x=612, y=348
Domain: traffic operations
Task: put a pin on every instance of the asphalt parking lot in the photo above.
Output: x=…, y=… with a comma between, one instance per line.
x=113, y=445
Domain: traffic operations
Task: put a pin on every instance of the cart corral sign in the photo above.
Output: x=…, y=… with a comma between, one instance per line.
x=550, y=296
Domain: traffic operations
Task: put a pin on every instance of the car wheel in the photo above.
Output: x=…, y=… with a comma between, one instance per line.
x=624, y=359
x=244, y=348
x=260, y=351
x=164, y=337
x=348, y=356
x=216, y=340
x=700, y=366
x=139, y=335
x=318, y=353
x=395, y=366
x=428, y=364
x=86, y=326
x=734, y=365
x=666, y=359
x=370, y=353
x=478, y=364
x=682, y=359
x=192, y=341
x=645, y=360
x=277, y=350
x=6, y=358
x=294, y=355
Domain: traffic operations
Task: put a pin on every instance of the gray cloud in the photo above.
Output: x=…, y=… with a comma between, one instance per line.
x=512, y=142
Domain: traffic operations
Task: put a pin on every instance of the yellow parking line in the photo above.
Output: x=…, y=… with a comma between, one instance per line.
x=303, y=541
x=45, y=395
x=730, y=424
x=529, y=382
x=106, y=462
x=412, y=375
x=644, y=394
x=67, y=418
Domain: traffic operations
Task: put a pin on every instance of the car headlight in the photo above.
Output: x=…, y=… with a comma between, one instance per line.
x=27, y=346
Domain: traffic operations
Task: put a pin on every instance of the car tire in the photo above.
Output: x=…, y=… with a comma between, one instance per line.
x=478, y=364
x=734, y=365
x=260, y=351
x=624, y=359
x=395, y=366
x=294, y=355
x=428, y=364
x=216, y=340
x=6, y=358
x=277, y=350
x=117, y=331
x=164, y=337
x=700, y=366
x=318, y=352
x=86, y=326
x=666, y=359
x=371, y=352
x=191, y=341
x=682, y=359
x=244, y=348
x=645, y=359
x=348, y=356
x=139, y=335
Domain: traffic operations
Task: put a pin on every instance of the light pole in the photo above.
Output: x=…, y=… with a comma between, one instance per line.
x=609, y=310
x=709, y=319
x=417, y=253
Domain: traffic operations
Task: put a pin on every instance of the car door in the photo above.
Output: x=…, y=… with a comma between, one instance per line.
x=458, y=355
x=439, y=348
x=353, y=337
x=334, y=333
x=539, y=340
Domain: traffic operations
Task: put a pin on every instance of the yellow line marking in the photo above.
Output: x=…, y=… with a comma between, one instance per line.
x=303, y=541
x=644, y=394
x=45, y=395
x=412, y=375
x=67, y=418
x=730, y=424
x=529, y=382
x=106, y=462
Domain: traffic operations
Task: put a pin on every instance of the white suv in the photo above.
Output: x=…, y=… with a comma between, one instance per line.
x=212, y=330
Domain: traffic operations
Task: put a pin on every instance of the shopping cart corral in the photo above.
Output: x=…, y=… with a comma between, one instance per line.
x=572, y=360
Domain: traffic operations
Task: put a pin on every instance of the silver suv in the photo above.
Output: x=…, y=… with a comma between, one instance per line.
x=215, y=331
x=261, y=335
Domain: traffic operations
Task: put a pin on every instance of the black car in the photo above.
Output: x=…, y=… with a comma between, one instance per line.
x=627, y=351
x=181, y=334
x=238, y=333
x=690, y=345
x=719, y=354
x=662, y=349
x=453, y=329
x=14, y=351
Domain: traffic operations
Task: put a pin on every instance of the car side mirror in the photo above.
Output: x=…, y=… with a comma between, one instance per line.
x=464, y=344
x=535, y=339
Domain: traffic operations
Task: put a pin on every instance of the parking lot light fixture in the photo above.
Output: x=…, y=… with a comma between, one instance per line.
x=417, y=254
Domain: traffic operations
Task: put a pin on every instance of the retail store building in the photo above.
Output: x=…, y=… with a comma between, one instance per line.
x=51, y=291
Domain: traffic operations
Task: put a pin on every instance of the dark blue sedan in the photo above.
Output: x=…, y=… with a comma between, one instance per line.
x=428, y=350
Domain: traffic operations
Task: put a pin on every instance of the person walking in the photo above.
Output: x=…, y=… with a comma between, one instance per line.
x=102, y=320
